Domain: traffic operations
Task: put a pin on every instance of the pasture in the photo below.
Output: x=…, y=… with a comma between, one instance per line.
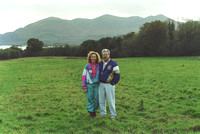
x=155, y=95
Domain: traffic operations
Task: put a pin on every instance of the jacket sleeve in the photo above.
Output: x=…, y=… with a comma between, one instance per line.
x=116, y=75
x=84, y=86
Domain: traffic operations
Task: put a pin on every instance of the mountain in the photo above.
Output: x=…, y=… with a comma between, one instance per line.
x=54, y=30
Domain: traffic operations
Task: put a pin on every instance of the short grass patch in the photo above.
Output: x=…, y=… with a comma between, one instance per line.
x=154, y=95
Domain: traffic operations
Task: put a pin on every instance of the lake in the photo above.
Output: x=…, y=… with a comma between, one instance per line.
x=8, y=46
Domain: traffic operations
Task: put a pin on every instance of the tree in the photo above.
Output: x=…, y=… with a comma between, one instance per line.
x=15, y=52
x=104, y=43
x=88, y=45
x=11, y=53
x=171, y=32
x=189, y=38
x=128, y=45
x=34, y=47
x=153, y=38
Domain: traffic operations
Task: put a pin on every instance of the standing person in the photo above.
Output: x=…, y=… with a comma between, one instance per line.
x=90, y=82
x=108, y=77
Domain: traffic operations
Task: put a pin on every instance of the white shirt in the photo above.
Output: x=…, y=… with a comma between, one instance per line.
x=105, y=63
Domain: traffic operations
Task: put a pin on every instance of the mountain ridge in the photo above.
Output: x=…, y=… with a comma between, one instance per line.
x=54, y=30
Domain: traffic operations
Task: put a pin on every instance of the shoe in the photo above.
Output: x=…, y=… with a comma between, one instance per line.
x=94, y=114
x=112, y=118
x=91, y=115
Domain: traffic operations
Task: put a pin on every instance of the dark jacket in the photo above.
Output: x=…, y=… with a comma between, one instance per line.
x=110, y=74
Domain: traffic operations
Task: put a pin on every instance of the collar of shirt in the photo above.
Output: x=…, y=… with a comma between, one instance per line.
x=106, y=62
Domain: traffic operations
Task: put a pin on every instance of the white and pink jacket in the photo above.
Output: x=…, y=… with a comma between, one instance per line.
x=90, y=75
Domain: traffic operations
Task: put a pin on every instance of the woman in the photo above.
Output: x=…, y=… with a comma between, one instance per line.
x=90, y=82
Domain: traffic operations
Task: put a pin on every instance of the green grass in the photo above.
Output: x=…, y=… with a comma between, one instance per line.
x=154, y=95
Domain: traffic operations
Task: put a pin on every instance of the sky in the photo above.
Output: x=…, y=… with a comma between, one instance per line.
x=16, y=14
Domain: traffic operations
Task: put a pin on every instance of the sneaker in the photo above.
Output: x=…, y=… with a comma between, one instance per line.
x=112, y=118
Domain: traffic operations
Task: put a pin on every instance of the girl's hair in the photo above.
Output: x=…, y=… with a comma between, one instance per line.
x=90, y=54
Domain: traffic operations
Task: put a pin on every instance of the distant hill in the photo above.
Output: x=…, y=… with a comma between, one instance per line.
x=55, y=30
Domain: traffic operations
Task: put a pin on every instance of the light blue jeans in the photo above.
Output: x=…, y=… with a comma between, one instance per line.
x=107, y=91
x=92, y=97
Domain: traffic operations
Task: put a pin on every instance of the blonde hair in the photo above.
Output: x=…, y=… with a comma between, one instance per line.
x=90, y=54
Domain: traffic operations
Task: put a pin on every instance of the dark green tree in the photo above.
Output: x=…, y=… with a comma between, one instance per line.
x=189, y=38
x=128, y=45
x=115, y=46
x=171, y=34
x=88, y=45
x=15, y=52
x=104, y=43
x=34, y=47
x=153, y=39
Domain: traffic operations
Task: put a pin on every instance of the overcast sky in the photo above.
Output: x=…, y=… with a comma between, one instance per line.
x=19, y=13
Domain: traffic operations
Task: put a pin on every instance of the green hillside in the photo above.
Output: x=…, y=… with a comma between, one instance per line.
x=154, y=95
x=55, y=30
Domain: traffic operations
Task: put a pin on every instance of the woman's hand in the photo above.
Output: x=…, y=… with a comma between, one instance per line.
x=85, y=90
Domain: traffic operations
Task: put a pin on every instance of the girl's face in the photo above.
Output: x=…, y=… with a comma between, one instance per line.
x=93, y=58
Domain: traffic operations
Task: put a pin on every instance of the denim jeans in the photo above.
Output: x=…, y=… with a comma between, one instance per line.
x=107, y=91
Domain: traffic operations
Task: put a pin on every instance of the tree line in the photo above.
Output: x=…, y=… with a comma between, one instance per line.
x=155, y=38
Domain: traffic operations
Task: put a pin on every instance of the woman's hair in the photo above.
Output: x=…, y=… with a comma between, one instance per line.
x=90, y=54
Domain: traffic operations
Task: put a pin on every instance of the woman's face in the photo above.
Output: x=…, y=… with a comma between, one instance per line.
x=93, y=58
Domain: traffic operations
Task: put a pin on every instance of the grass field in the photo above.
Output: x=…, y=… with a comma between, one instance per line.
x=155, y=95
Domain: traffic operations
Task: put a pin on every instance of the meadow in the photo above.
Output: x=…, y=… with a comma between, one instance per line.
x=155, y=95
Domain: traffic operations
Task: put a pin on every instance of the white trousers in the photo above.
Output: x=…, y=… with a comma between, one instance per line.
x=107, y=91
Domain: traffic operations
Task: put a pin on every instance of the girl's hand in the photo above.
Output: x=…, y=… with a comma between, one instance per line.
x=85, y=90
